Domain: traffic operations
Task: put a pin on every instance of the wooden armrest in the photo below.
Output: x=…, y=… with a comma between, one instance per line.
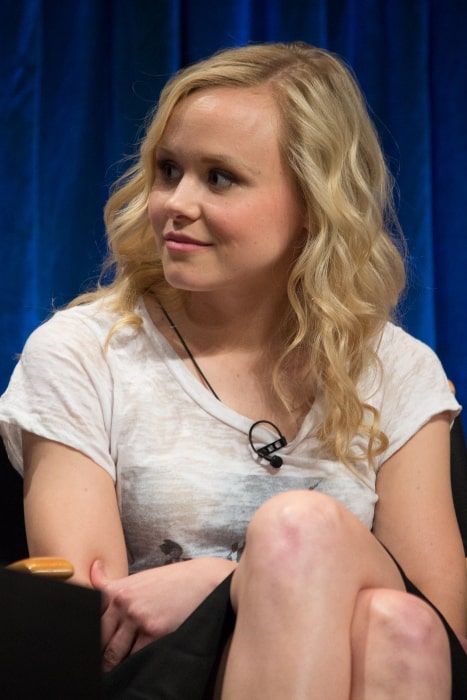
x=47, y=566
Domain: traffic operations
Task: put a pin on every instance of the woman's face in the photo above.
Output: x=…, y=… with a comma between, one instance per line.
x=224, y=210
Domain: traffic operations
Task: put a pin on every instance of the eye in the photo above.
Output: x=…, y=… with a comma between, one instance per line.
x=221, y=179
x=169, y=171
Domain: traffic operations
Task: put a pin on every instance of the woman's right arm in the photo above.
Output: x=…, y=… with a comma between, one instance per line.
x=71, y=509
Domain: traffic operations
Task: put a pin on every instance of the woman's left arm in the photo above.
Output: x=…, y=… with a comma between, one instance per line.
x=416, y=521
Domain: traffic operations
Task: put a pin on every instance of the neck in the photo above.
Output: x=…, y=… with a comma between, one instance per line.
x=234, y=323
x=234, y=349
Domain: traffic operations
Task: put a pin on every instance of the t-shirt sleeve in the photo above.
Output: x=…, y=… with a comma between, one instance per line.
x=61, y=389
x=413, y=390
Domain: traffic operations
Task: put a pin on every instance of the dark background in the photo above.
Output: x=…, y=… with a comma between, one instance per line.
x=78, y=77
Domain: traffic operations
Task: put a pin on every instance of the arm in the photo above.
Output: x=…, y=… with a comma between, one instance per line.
x=71, y=511
x=415, y=519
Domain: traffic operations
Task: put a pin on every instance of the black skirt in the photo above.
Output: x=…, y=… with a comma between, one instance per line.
x=183, y=665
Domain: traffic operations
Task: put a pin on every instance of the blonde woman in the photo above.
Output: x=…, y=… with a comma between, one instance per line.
x=239, y=405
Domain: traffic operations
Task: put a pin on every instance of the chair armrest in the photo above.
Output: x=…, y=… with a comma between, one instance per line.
x=47, y=566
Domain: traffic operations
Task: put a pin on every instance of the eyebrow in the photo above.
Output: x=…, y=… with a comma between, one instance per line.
x=213, y=159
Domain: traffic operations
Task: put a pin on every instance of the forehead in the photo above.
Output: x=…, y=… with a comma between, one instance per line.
x=230, y=112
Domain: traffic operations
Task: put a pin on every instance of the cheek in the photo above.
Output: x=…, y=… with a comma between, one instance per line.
x=281, y=217
x=289, y=215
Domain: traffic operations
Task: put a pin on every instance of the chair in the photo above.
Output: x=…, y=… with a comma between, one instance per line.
x=459, y=476
x=12, y=533
x=49, y=631
x=49, y=638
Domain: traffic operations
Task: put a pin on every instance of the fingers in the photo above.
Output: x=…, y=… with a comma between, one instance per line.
x=119, y=647
x=110, y=620
x=124, y=643
x=97, y=574
x=118, y=633
x=99, y=581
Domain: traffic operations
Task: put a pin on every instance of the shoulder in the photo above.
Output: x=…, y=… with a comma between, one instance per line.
x=93, y=319
x=405, y=359
x=63, y=385
x=395, y=337
x=71, y=349
x=80, y=331
x=408, y=388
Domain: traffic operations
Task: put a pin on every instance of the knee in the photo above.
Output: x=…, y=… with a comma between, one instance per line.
x=409, y=628
x=293, y=529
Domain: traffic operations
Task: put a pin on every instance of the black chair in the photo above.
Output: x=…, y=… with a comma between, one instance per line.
x=13, y=544
x=49, y=639
x=49, y=631
x=459, y=476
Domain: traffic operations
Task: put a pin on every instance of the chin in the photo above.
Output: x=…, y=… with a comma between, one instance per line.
x=187, y=284
x=191, y=278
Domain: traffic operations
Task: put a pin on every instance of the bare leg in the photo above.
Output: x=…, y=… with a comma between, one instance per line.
x=306, y=560
x=400, y=649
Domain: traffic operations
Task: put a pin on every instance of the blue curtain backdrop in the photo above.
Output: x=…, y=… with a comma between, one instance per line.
x=78, y=77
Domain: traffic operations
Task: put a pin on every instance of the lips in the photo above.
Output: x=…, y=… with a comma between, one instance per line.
x=182, y=242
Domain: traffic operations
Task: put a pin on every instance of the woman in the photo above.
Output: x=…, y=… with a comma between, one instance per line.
x=240, y=382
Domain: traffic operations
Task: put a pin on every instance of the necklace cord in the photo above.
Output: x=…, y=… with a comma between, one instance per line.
x=265, y=452
x=188, y=352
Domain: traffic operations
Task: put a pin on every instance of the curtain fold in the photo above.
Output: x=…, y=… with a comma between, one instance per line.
x=78, y=79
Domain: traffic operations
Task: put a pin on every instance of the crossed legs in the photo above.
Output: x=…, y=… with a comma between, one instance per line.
x=322, y=613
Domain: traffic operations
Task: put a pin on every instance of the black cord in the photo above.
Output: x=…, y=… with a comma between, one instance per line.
x=266, y=452
x=188, y=352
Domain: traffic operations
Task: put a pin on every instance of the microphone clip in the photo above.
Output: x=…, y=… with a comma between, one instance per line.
x=266, y=451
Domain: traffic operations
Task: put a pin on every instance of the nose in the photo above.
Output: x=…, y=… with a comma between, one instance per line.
x=184, y=201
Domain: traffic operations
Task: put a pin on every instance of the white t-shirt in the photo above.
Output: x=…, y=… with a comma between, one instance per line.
x=186, y=478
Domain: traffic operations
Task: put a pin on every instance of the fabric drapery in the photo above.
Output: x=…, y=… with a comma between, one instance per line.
x=78, y=78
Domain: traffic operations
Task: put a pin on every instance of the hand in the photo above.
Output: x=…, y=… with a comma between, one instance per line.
x=145, y=606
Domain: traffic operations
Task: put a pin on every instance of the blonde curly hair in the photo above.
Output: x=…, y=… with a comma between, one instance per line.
x=348, y=277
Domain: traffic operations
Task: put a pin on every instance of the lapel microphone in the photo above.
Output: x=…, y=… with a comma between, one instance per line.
x=266, y=452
